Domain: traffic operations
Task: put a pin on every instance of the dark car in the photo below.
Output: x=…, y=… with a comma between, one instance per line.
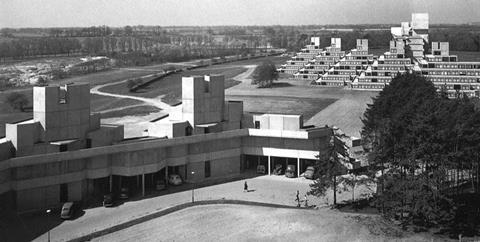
x=108, y=200
x=124, y=193
x=278, y=170
x=160, y=185
x=68, y=210
x=309, y=172
x=290, y=171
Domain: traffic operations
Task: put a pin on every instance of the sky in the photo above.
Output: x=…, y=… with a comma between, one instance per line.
x=83, y=13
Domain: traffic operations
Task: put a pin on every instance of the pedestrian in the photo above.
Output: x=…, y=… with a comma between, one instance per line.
x=306, y=201
x=245, y=187
x=297, y=199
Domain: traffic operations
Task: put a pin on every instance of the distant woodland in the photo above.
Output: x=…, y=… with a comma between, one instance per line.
x=139, y=45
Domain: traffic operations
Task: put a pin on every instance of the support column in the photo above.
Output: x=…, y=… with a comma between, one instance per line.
x=298, y=166
x=269, y=170
x=143, y=185
x=110, y=180
x=166, y=175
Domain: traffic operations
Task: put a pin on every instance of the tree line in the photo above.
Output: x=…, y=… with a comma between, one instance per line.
x=424, y=154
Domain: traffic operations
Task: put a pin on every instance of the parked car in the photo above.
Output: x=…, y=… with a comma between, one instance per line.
x=174, y=179
x=124, y=193
x=309, y=172
x=278, y=170
x=160, y=185
x=108, y=200
x=261, y=169
x=290, y=171
x=68, y=210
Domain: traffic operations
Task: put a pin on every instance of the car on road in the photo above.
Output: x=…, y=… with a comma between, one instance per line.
x=124, y=193
x=290, y=171
x=261, y=169
x=68, y=210
x=108, y=200
x=160, y=185
x=309, y=172
x=174, y=179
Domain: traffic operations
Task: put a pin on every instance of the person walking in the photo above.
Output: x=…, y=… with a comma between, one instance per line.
x=306, y=201
x=297, y=199
x=245, y=187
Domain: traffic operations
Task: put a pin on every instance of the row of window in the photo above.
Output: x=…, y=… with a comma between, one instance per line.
x=451, y=73
x=451, y=66
x=443, y=79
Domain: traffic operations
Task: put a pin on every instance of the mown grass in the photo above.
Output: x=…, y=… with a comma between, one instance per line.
x=132, y=111
x=171, y=86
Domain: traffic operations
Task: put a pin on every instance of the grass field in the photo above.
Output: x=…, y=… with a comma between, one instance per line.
x=252, y=223
x=171, y=85
x=283, y=105
x=138, y=111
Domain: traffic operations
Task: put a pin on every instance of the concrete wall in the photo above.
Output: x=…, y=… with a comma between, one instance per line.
x=362, y=44
x=62, y=111
x=279, y=121
x=203, y=99
x=443, y=47
x=336, y=42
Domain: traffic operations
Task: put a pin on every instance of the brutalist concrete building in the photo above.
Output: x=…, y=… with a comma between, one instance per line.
x=65, y=154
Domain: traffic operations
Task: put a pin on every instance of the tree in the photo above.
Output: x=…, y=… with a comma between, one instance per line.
x=330, y=164
x=17, y=100
x=265, y=74
x=42, y=81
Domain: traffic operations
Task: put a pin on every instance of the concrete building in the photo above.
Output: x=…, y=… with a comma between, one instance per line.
x=449, y=74
x=344, y=72
x=303, y=57
x=322, y=62
x=379, y=74
x=64, y=154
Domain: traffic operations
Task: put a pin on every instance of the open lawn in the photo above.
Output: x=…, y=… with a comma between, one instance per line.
x=138, y=111
x=283, y=105
x=171, y=85
x=319, y=105
x=253, y=223
x=99, y=103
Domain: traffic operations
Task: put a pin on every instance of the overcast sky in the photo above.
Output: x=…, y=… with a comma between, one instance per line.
x=66, y=13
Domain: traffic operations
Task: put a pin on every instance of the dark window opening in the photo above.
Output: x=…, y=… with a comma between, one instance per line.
x=206, y=86
x=207, y=169
x=89, y=143
x=63, y=148
x=257, y=124
x=206, y=130
x=457, y=87
x=437, y=52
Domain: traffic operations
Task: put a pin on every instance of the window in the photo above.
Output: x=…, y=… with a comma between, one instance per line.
x=207, y=169
x=89, y=143
x=206, y=130
x=257, y=124
x=63, y=148
x=206, y=87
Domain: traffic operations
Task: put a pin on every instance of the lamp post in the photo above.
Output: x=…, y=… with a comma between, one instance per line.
x=48, y=233
x=193, y=188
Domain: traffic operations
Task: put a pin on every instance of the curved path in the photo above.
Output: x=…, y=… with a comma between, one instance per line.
x=157, y=102
x=152, y=101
